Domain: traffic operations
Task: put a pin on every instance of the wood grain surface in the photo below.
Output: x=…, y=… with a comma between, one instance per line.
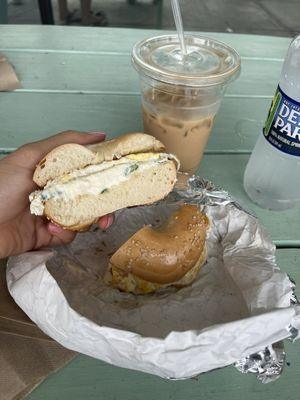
x=82, y=78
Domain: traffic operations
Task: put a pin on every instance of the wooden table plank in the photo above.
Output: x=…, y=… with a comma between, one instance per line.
x=237, y=126
x=31, y=116
x=89, y=379
x=57, y=64
x=227, y=171
x=93, y=73
x=121, y=40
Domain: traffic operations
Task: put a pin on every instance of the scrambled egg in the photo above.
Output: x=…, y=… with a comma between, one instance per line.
x=65, y=178
x=143, y=156
x=132, y=283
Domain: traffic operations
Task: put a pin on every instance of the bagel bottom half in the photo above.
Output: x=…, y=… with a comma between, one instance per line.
x=154, y=258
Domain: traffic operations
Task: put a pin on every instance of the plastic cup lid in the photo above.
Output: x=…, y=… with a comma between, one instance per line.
x=208, y=61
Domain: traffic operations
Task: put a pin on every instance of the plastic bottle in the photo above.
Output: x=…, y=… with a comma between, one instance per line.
x=272, y=176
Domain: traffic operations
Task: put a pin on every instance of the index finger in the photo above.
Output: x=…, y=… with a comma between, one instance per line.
x=30, y=154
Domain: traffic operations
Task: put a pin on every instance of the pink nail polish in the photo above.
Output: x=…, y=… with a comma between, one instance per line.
x=110, y=220
x=54, y=228
x=103, y=222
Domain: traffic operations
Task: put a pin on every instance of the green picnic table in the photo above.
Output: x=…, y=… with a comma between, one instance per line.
x=82, y=78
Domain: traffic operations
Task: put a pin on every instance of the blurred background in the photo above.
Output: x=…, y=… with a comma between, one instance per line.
x=265, y=17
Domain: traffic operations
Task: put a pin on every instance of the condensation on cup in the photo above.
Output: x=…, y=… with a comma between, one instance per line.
x=180, y=99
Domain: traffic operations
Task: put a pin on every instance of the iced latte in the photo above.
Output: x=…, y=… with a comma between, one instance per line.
x=175, y=119
x=180, y=98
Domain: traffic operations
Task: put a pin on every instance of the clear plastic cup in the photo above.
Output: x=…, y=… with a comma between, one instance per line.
x=180, y=99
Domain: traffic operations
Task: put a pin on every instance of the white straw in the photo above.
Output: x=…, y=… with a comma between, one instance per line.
x=179, y=26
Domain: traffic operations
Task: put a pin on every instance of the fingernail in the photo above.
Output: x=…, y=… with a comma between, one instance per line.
x=106, y=221
x=110, y=220
x=103, y=222
x=101, y=134
x=54, y=228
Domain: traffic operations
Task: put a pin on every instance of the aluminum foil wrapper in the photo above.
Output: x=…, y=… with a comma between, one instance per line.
x=237, y=312
x=268, y=363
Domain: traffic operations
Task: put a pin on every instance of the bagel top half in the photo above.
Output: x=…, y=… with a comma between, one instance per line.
x=78, y=184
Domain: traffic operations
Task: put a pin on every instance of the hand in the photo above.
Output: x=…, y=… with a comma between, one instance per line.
x=19, y=230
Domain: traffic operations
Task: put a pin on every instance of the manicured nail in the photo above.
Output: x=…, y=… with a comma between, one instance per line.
x=103, y=222
x=54, y=228
x=110, y=220
x=106, y=221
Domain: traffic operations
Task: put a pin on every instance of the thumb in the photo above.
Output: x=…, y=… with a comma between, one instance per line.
x=60, y=236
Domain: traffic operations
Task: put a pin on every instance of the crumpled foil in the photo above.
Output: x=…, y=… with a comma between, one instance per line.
x=154, y=318
x=267, y=364
x=199, y=191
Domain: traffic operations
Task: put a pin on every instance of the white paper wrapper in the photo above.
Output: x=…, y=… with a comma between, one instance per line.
x=239, y=305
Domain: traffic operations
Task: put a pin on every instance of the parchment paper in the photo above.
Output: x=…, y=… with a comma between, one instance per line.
x=8, y=78
x=239, y=304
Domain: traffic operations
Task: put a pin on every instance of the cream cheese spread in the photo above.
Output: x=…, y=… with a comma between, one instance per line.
x=94, y=179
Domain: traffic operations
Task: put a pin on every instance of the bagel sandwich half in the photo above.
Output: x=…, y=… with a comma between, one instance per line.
x=78, y=184
x=154, y=258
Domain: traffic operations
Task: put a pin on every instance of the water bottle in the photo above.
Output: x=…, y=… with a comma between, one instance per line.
x=272, y=176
